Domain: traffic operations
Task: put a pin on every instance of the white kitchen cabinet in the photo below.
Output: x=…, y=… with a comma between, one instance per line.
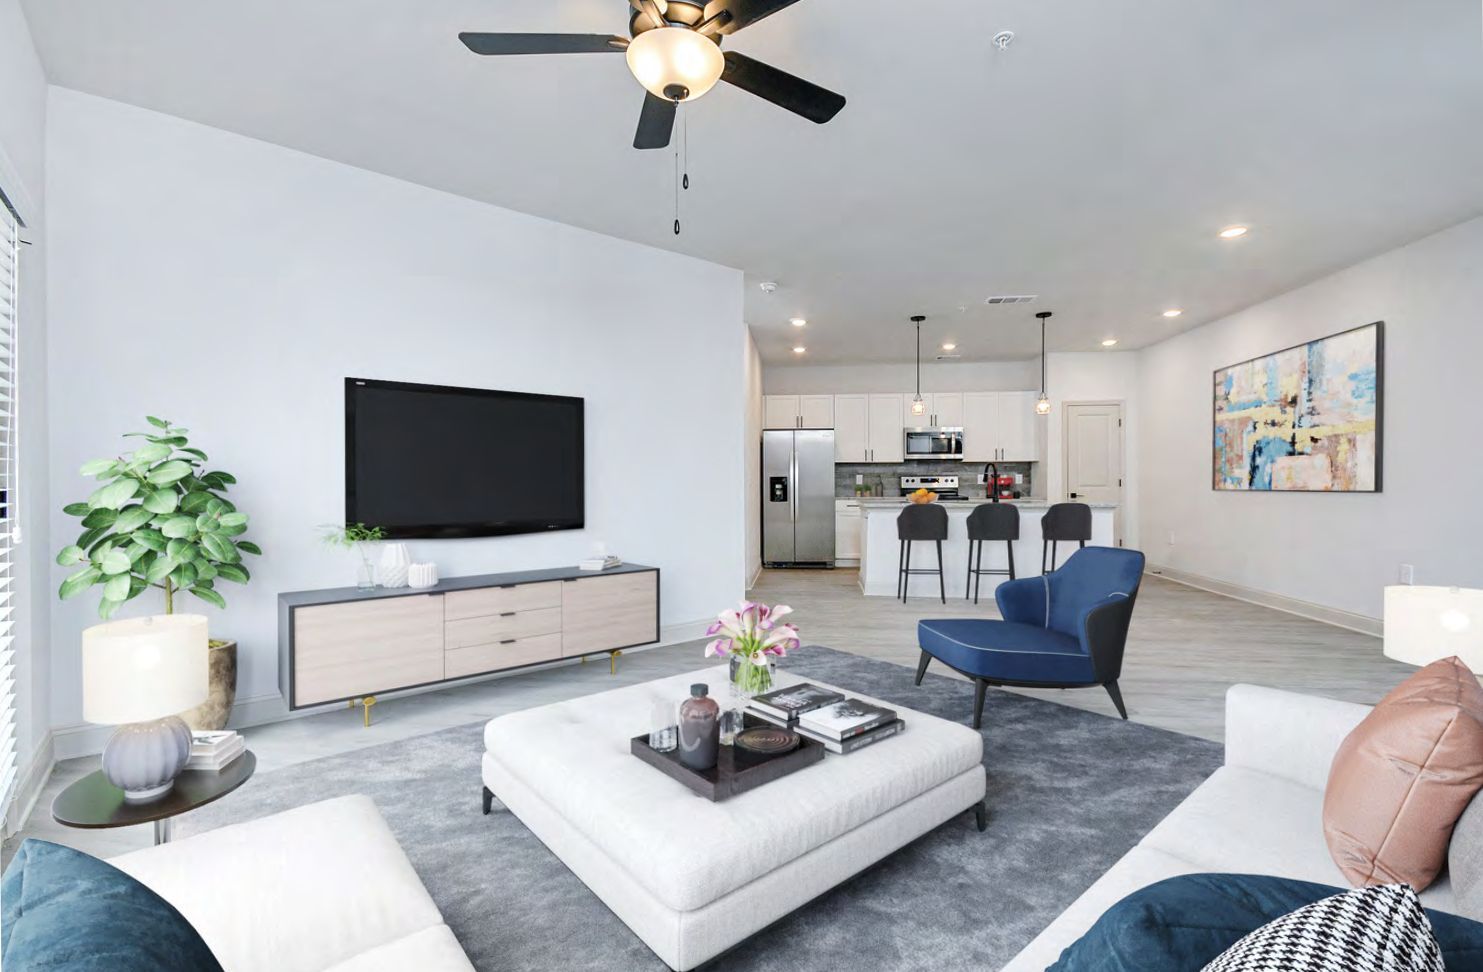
x=847, y=526
x=851, y=428
x=1019, y=427
x=780, y=411
x=980, y=426
x=886, y=437
x=816, y=411
x=947, y=410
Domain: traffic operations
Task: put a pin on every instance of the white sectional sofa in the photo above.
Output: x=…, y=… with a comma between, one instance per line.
x=1260, y=813
x=321, y=887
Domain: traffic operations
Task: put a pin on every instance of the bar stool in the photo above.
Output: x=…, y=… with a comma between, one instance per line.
x=991, y=522
x=1063, y=521
x=920, y=521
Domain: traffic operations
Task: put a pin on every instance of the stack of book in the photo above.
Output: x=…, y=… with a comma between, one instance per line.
x=213, y=751
x=599, y=563
x=842, y=724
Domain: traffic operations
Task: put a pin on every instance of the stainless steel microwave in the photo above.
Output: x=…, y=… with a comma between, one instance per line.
x=934, y=443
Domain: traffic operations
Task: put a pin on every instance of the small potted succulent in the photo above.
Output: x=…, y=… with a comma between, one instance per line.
x=753, y=638
x=357, y=537
x=161, y=521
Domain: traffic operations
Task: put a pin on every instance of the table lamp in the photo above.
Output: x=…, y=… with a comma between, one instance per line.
x=1423, y=624
x=138, y=674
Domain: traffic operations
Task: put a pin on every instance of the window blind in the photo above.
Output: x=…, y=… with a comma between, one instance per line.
x=9, y=525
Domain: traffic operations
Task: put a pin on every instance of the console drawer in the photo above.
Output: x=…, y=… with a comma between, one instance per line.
x=498, y=600
x=478, y=659
x=498, y=627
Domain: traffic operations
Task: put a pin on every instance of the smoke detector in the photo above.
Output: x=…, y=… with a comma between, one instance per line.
x=769, y=286
x=1003, y=39
x=1011, y=299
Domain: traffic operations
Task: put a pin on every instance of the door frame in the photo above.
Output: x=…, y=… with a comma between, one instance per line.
x=1122, y=457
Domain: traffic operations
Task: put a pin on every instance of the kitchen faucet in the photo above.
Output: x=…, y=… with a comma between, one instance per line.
x=991, y=482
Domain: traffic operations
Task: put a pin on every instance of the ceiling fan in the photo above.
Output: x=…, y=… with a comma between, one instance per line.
x=674, y=50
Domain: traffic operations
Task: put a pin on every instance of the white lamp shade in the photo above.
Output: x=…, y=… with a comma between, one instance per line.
x=143, y=669
x=1423, y=624
x=665, y=56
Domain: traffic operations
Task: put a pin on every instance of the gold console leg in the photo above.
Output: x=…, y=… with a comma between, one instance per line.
x=613, y=662
x=366, y=704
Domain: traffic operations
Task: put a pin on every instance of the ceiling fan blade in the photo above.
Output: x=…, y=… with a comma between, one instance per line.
x=543, y=43
x=656, y=122
x=743, y=12
x=801, y=97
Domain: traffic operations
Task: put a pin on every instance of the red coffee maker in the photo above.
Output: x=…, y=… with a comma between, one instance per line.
x=1005, y=485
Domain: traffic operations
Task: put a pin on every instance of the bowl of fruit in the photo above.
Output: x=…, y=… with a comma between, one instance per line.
x=922, y=496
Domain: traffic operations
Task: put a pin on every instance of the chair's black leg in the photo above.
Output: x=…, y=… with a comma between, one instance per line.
x=906, y=577
x=941, y=579
x=900, y=566
x=978, y=573
x=1044, y=549
x=1081, y=544
x=488, y=800
x=1009, y=545
x=1117, y=698
x=1053, y=556
x=979, y=687
x=968, y=577
x=981, y=815
x=922, y=666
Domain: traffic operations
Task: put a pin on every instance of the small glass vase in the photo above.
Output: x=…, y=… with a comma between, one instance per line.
x=365, y=576
x=748, y=680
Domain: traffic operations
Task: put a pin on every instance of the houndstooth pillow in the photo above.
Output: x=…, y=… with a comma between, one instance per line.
x=1379, y=929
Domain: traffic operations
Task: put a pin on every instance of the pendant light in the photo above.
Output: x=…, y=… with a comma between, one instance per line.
x=1042, y=405
x=918, y=405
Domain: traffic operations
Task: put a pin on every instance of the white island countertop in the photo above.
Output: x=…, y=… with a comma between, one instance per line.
x=896, y=502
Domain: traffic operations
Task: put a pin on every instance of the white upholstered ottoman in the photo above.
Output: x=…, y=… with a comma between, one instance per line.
x=691, y=877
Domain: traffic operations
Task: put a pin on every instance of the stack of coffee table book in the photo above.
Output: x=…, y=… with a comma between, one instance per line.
x=841, y=724
x=213, y=751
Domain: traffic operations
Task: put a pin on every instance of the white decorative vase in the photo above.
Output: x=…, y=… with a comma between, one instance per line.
x=422, y=575
x=394, y=563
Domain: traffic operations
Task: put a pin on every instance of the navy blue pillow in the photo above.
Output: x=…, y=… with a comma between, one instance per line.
x=62, y=909
x=1181, y=924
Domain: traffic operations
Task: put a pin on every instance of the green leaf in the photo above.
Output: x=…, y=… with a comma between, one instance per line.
x=195, y=501
x=247, y=546
x=209, y=596
x=79, y=582
x=100, y=518
x=161, y=501
x=114, y=495
x=136, y=587
x=71, y=555
x=161, y=568
x=224, y=476
x=114, y=561
x=131, y=519
x=184, y=575
x=179, y=527
x=136, y=552
x=77, y=509
x=233, y=519
x=89, y=537
x=206, y=523
x=107, y=607
x=216, y=506
x=206, y=571
x=169, y=440
x=153, y=539
x=234, y=573
x=195, y=452
x=152, y=452
x=157, y=422
x=219, y=548
x=117, y=588
x=106, y=540
x=98, y=467
x=168, y=472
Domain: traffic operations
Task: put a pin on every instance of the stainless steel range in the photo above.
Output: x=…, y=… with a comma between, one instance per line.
x=946, y=487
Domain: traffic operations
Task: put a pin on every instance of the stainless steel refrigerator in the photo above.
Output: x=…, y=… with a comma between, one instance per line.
x=798, y=497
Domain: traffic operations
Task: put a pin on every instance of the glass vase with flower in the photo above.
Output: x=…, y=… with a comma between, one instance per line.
x=751, y=638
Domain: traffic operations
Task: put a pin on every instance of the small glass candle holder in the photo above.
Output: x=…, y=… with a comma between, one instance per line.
x=664, y=732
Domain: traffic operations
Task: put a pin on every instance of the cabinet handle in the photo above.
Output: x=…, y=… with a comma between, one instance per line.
x=507, y=614
x=509, y=641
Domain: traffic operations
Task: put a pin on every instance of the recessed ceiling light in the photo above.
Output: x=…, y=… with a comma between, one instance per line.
x=1109, y=342
x=800, y=349
x=797, y=321
x=768, y=286
x=949, y=346
x=1233, y=232
x=1173, y=312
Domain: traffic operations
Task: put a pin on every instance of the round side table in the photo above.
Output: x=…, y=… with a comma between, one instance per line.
x=93, y=803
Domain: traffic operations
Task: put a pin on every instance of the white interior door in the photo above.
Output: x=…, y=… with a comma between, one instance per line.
x=816, y=411
x=1094, y=455
x=780, y=412
x=851, y=428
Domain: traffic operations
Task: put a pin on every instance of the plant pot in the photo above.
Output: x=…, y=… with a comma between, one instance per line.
x=217, y=709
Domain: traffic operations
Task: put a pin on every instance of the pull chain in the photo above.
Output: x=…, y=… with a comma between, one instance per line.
x=682, y=172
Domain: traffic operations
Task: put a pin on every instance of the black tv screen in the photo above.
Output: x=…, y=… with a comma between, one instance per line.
x=434, y=461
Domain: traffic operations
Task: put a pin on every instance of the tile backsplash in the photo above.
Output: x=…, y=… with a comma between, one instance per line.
x=885, y=478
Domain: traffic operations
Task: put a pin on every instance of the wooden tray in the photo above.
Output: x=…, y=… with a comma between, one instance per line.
x=736, y=770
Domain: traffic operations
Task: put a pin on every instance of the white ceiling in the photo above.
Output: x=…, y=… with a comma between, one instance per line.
x=1091, y=164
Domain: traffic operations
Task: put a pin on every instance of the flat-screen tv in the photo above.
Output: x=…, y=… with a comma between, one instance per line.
x=430, y=461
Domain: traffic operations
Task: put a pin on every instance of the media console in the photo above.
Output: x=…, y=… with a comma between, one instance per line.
x=343, y=644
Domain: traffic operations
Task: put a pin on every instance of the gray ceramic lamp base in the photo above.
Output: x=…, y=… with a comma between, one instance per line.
x=143, y=758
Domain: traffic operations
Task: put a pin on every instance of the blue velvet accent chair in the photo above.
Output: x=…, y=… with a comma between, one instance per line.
x=1065, y=629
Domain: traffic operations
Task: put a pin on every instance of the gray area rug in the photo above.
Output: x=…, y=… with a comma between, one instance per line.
x=1069, y=793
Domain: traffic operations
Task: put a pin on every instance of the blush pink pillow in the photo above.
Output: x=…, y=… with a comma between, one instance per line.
x=1403, y=777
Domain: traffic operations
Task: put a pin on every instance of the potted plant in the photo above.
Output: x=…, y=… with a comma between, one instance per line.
x=159, y=520
x=357, y=537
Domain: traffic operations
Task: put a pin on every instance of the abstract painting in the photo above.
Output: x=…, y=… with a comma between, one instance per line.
x=1307, y=419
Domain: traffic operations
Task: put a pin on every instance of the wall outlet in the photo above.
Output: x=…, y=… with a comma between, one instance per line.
x=1408, y=574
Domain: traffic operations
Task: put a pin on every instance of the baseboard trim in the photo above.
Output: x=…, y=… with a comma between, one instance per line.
x=752, y=581
x=28, y=791
x=71, y=742
x=1361, y=623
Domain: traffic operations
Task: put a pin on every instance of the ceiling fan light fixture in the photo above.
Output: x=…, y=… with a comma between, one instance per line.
x=675, y=63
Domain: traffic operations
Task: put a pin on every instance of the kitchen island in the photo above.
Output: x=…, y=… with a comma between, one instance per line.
x=880, y=549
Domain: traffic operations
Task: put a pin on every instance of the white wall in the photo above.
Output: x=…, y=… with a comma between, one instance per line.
x=944, y=376
x=1334, y=550
x=229, y=285
x=1094, y=376
x=22, y=177
x=752, y=449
